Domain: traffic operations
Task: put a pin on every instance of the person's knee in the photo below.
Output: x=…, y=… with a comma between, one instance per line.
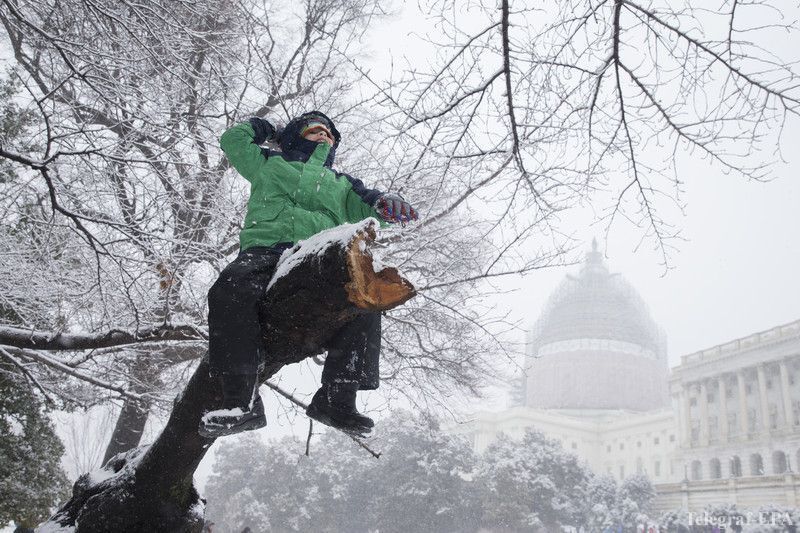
x=217, y=292
x=226, y=289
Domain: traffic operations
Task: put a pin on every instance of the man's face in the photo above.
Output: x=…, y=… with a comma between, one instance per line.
x=318, y=133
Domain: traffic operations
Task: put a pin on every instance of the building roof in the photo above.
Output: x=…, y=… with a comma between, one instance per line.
x=600, y=305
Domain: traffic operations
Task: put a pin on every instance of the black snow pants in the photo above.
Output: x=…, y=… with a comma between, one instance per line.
x=235, y=345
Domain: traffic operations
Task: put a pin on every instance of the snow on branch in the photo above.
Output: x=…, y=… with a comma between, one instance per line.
x=44, y=340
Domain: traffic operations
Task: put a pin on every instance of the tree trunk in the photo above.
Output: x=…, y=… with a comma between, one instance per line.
x=321, y=285
x=133, y=416
x=128, y=429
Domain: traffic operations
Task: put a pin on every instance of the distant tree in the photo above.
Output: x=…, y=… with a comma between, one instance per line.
x=634, y=500
x=599, y=509
x=531, y=484
x=420, y=483
x=14, y=123
x=638, y=488
x=261, y=486
x=31, y=479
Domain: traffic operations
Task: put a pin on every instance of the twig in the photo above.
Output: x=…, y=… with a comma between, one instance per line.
x=507, y=73
x=58, y=365
x=30, y=376
x=308, y=440
x=298, y=403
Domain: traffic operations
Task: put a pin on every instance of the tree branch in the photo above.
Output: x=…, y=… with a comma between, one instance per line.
x=53, y=341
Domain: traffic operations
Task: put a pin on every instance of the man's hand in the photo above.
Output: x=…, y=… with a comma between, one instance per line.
x=392, y=208
x=263, y=129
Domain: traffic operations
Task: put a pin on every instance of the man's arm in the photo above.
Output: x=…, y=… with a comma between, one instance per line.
x=360, y=200
x=362, y=203
x=241, y=145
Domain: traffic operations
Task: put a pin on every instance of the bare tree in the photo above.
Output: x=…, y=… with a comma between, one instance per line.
x=130, y=102
x=128, y=202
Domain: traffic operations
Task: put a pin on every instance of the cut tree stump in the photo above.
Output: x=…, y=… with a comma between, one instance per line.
x=319, y=286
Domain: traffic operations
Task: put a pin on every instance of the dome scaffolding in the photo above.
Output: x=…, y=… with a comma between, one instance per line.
x=595, y=346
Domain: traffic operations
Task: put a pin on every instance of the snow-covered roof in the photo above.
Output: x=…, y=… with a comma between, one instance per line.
x=597, y=304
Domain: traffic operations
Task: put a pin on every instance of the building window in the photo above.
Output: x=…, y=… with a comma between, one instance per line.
x=574, y=445
x=656, y=441
x=748, y=389
x=756, y=465
x=733, y=427
x=714, y=469
x=713, y=427
x=751, y=420
x=693, y=402
x=773, y=416
x=779, y=463
x=736, y=466
x=769, y=383
x=657, y=468
x=639, y=444
x=697, y=470
x=672, y=438
x=710, y=398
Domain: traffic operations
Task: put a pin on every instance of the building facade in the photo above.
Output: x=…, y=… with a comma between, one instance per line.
x=721, y=427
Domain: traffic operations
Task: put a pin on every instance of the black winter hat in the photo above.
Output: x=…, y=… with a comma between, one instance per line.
x=291, y=132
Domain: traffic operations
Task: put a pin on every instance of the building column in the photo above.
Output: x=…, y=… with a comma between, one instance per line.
x=742, y=403
x=703, y=413
x=788, y=418
x=722, y=415
x=732, y=484
x=762, y=397
x=724, y=467
x=791, y=496
x=685, y=494
x=685, y=421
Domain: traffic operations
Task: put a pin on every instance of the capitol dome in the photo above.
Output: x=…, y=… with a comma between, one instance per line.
x=595, y=346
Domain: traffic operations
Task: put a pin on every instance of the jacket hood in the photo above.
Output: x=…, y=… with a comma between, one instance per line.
x=296, y=147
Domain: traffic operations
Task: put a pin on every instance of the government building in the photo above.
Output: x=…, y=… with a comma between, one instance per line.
x=721, y=427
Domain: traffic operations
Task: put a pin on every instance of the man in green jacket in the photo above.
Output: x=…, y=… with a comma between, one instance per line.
x=294, y=194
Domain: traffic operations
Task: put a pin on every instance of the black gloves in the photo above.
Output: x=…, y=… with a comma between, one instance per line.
x=392, y=208
x=264, y=130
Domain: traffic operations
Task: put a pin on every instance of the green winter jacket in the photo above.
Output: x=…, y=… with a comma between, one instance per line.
x=293, y=195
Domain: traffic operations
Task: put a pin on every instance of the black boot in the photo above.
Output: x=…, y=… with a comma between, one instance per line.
x=242, y=408
x=335, y=405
